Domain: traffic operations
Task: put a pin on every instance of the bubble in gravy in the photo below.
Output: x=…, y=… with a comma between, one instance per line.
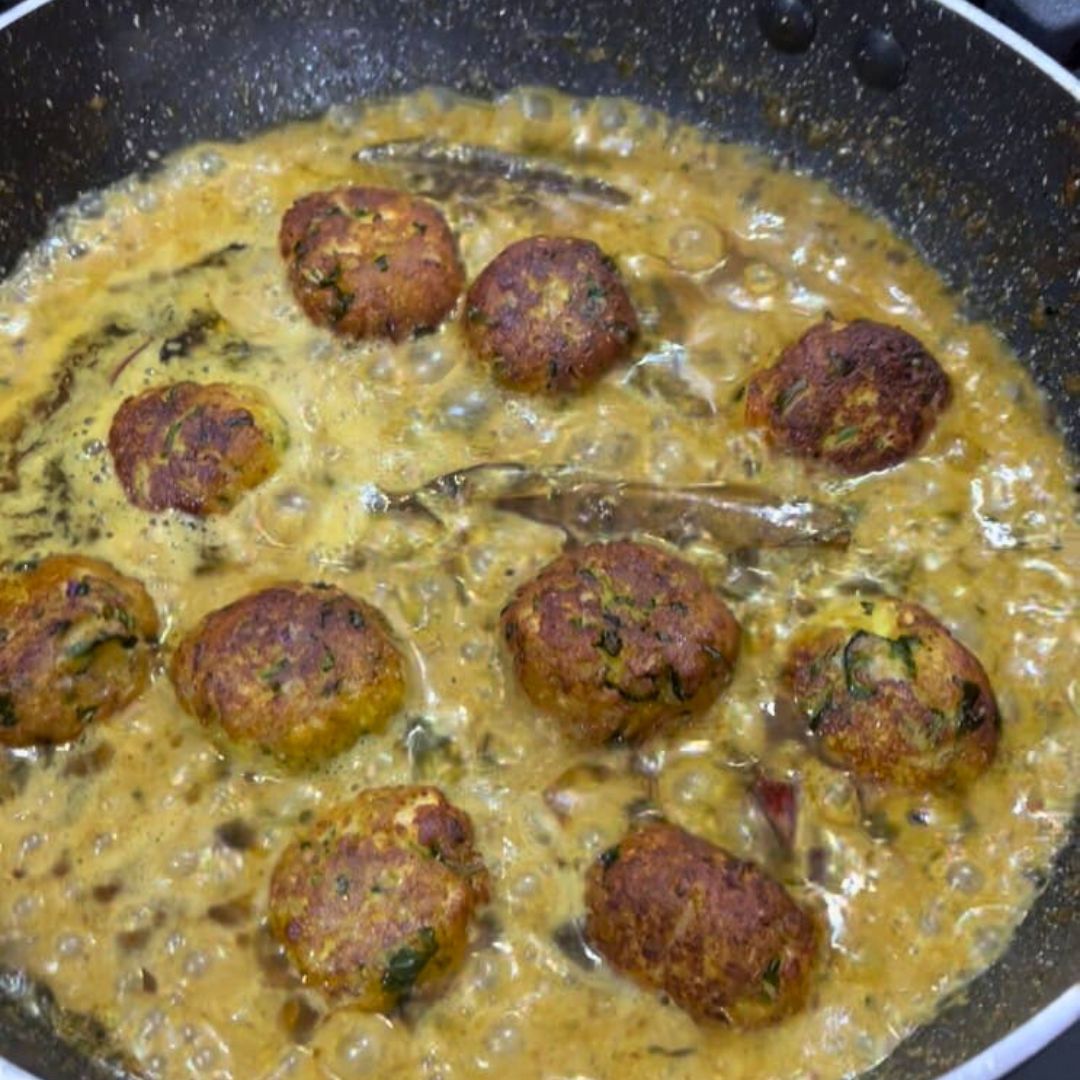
x=358, y=1054
x=695, y=246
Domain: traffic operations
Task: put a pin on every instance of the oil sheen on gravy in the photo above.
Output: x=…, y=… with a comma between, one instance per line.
x=121, y=888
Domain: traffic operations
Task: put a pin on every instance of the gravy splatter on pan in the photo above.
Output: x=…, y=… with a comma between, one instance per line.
x=135, y=862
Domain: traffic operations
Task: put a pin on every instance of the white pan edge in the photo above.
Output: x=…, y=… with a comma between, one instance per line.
x=1054, y=1019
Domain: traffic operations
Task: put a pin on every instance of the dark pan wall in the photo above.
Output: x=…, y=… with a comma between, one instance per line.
x=967, y=148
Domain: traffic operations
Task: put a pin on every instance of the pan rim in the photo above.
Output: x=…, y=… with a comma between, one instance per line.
x=20, y=11
x=1006, y=35
x=1055, y=1018
x=1021, y=1043
x=7, y=1070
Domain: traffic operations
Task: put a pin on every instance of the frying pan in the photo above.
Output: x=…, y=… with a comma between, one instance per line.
x=923, y=110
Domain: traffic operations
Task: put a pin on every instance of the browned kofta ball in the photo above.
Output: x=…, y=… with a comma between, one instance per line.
x=859, y=396
x=76, y=643
x=373, y=902
x=195, y=447
x=371, y=262
x=619, y=640
x=891, y=695
x=550, y=313
x=300, y=671
x=717, y=934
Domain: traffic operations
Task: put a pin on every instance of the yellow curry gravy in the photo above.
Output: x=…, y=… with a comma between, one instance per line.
x=134, y=863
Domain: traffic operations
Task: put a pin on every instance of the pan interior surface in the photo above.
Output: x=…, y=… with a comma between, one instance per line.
x=926, y=167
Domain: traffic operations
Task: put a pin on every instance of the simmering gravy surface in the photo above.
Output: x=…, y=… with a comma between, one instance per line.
x=134, y=863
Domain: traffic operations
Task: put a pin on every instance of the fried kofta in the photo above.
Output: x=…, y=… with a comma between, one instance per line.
x=76, y=643
x=195, y=448
x=717, y=934
x=370, y=262
x=619, y=640
x=550, y=313
x=858, y=396
x=373, y=903
x=891, y=695
x=300, y=671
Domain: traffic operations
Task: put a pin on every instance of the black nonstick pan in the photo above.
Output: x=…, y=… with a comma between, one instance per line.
x=968, y=143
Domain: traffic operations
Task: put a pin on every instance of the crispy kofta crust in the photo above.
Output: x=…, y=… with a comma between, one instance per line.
x=550, y=313
x=718, y=935
x=619, y=640
x=373, y=903
x=894, y=697
x=193, y=447
x=77, y=640
x=860, y=396
x=298, y=670
x=371, y=262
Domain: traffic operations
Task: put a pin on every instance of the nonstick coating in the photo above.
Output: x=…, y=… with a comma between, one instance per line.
x=967, y=148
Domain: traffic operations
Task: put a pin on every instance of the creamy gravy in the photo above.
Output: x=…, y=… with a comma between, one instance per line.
x=121, y=889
